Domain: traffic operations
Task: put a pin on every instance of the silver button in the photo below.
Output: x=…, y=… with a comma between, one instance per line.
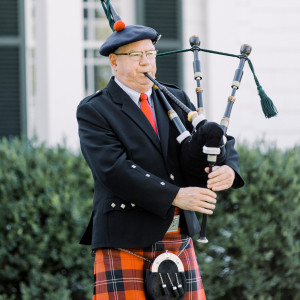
x=133, y=166
x=172, y=176
x=162, y=183
x=123, y=205
x=113, y=205
x=132, y=204
x=147, y=175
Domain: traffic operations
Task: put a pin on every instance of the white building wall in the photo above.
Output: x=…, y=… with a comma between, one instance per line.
x=271, y=27
x=58, y=71
x=55, y=66
x=127, y=12
x=273, y=30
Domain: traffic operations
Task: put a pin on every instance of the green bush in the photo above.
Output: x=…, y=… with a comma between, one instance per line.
x=254, y=247
x=45, y=203
x=45, y=200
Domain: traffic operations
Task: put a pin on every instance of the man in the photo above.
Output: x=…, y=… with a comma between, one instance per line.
x=138, y=180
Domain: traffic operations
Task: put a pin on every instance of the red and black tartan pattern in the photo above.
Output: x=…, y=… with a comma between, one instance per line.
x=120, y=275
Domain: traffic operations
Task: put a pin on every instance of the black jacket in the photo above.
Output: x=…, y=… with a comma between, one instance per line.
x=136, y=174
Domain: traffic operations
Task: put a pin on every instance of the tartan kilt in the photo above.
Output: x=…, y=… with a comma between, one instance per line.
x=120, y=275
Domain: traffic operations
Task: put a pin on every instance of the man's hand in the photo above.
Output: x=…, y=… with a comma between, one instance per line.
x=196, y=199
x=221, y=178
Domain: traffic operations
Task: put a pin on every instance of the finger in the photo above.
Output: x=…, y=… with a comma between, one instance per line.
x=220, y=178
x=198, y=206
x=203, y=201
x=222, y=170
x=204, y=211
x=215, y=168
x=207, y=205
x=203, y=204
x=221, y=187
x=206, y=200
x=217, y=172
x=206, y=192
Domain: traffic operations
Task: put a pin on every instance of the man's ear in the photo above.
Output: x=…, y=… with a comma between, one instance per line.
x=113, y=61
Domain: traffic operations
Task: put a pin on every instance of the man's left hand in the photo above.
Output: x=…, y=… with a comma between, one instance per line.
x=221, y=178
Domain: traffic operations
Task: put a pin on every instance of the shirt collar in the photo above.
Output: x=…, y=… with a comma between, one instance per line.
x=134, y=95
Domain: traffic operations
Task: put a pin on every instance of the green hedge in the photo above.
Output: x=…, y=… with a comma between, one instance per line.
x=45, y=202
x=254, y=237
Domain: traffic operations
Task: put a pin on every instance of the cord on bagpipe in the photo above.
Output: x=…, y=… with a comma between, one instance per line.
x=267, y=105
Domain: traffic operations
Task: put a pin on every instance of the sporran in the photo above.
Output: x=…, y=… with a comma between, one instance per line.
x=165, y=279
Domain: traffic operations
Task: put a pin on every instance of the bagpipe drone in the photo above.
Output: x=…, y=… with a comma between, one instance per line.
x=206, y=144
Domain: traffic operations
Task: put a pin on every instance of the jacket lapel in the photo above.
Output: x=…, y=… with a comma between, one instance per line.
x=129, y=108
x=163, y=123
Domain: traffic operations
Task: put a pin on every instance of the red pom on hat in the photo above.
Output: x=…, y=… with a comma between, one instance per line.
x=119, y=25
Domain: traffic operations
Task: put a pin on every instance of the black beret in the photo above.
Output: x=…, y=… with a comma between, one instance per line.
x=130, y=34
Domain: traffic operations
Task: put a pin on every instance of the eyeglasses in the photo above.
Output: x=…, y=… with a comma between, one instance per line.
x=137, y=55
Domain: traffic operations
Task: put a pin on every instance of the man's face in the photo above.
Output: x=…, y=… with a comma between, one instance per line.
x=131, y=72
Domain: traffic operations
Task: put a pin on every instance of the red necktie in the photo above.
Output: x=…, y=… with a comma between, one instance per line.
x=146, y=109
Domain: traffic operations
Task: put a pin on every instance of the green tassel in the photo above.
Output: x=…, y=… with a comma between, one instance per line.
x=267, y=105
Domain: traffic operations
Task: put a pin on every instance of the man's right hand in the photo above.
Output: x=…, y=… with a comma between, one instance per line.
x=196, y=199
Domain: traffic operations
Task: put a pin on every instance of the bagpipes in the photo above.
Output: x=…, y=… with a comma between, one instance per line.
x=206, y=145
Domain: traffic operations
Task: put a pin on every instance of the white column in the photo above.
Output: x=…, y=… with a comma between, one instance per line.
x=127, y=11
x=59, y=70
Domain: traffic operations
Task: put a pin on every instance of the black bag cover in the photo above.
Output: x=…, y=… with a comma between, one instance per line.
x=155, y=281
x=193, y=160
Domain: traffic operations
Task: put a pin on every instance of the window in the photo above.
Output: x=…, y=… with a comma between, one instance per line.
x=96, y=31
x=165, y=17
x=12, y=75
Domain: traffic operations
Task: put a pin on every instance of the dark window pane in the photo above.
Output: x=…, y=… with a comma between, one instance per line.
x=9, y=91
x=9, y=25
x=85, y=33
x=163, y=16
x=102, y=76
x=96, y=53
x=85, y=78
x=85, y=13
x=167, y=69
